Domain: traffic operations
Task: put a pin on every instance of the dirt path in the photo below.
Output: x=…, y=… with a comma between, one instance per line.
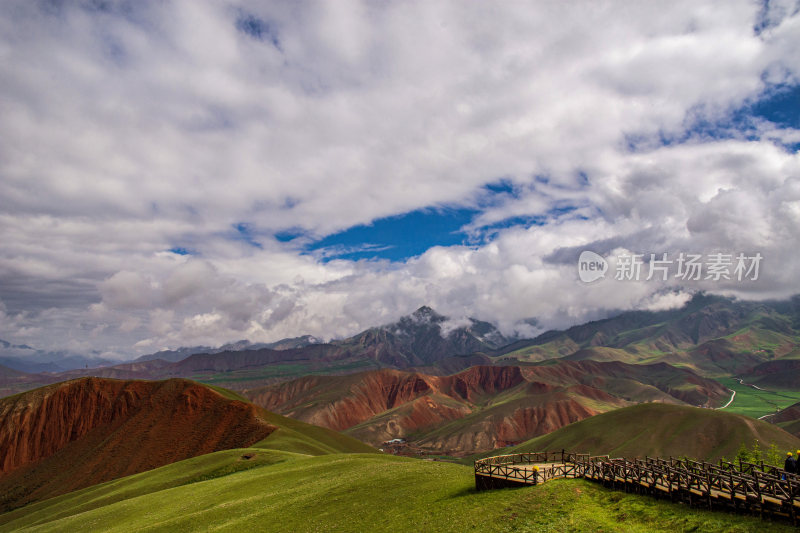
x=729, y=401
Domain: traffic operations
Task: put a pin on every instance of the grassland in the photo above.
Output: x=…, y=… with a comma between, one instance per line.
x=257, y=377
x=299, y=437
x=792, y=427
x=661, y=430
x=757, y=403
x=282, y=491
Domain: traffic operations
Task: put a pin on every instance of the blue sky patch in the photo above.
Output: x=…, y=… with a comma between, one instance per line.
x=179, y=250
x=410, y=234
x=397, y=238
x=258, y=29
x=289, y=234
x=501, y=186
x=781, y=106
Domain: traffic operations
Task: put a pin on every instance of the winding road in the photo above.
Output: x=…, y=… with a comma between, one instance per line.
x=729, y=401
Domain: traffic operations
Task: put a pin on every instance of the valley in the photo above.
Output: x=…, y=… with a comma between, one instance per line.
x=756, y=402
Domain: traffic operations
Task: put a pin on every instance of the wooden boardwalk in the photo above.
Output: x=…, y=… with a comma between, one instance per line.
x=746, y=487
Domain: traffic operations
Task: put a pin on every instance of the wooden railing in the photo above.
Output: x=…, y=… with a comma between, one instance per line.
x=745, y=486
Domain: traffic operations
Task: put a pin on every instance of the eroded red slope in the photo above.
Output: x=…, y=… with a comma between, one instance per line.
x=341, y=402
x=82, y=432
x=482, y=407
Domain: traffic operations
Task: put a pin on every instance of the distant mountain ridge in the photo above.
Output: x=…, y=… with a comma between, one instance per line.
x=24, y=358
x=179, y=354
x=423, y=338
x=711, y=335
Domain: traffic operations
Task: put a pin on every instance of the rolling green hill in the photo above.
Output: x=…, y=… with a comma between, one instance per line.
x=298, y=437
x=661, y=430
x=286, y=492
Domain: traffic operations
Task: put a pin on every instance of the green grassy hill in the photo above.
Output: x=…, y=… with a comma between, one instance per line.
x=298, y=437
x=661, y=430
x=286, y=492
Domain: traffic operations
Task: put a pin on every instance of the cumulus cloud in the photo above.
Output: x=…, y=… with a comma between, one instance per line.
x=151, y=151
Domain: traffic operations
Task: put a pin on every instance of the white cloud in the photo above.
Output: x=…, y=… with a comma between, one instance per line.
x=126, y=290
x=131, y=131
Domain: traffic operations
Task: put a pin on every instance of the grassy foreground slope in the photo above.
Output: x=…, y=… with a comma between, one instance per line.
x=280, y=491
x=661, y=430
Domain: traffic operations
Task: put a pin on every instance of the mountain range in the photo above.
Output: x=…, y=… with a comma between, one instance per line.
x=422, y=338
x=228, y=464
x=710, y=334
x=460, y=386
x=184, y=352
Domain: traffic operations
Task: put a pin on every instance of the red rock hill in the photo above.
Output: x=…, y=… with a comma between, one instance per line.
x=90, y=430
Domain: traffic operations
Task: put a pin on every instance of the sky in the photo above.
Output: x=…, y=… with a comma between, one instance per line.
x=180, y=173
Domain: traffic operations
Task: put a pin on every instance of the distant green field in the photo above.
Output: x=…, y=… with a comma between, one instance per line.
x=241, y=379
x=280, y=491
x=756, y=403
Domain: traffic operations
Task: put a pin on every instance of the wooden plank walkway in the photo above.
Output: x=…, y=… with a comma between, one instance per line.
x=746, y=487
